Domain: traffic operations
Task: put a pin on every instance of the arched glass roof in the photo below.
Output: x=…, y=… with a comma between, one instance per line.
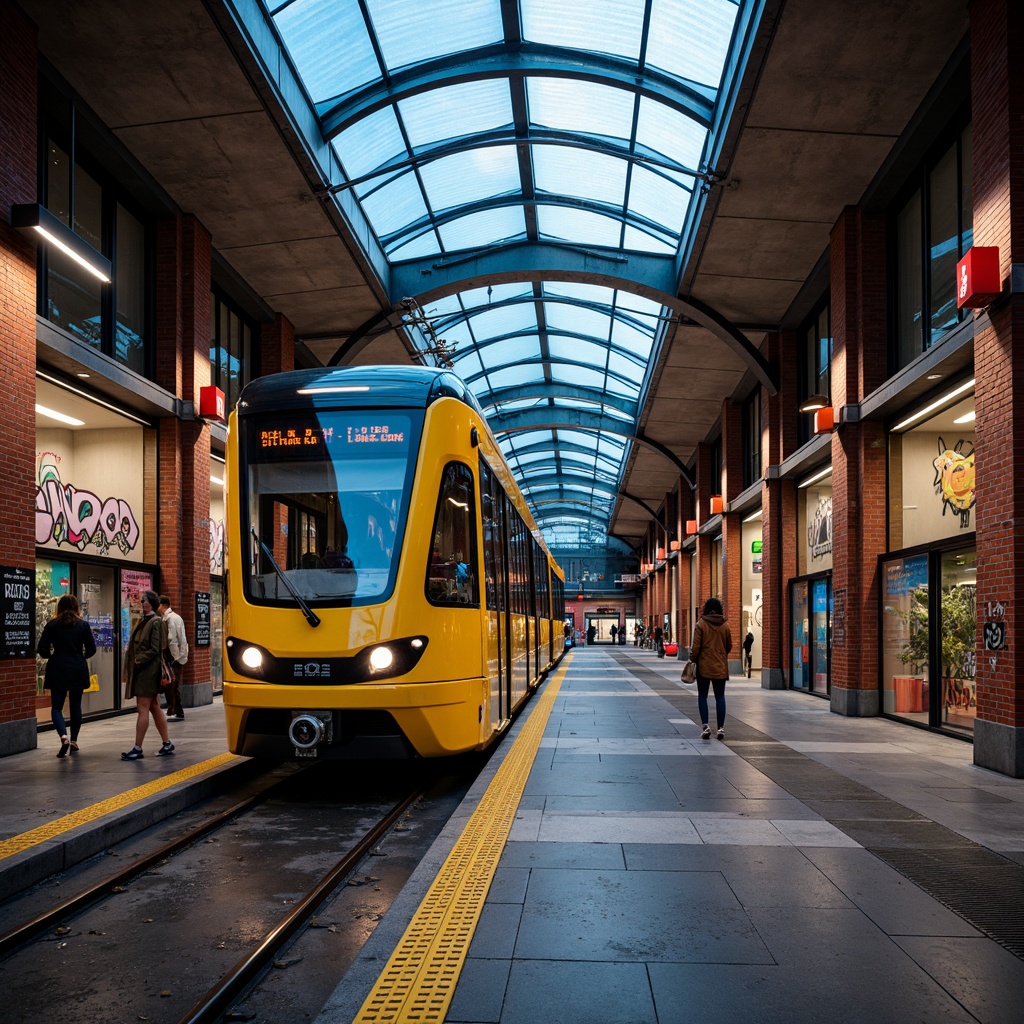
x=465, y=127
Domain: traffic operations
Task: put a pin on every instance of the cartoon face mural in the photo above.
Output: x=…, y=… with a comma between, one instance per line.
x=819, y=531
x=954, y=480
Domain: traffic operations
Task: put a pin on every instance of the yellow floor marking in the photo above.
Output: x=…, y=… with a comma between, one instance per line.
x=418, y=982
x=25, y=841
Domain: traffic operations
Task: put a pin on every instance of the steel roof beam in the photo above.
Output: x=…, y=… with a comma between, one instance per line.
x=553, y=392
x=529, y=59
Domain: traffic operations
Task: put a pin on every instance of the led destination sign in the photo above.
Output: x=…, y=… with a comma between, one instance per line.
x=334, y=435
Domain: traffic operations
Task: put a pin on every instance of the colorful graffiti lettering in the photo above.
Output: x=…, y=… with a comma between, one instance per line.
x=954, y=480
x=66, y=515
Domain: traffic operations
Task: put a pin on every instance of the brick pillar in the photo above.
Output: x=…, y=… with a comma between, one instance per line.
x=183, y=366
x=18, y=145
x=858, y=300
x=997, y=91
x=732, y=533
x=702, y=506
x=277, y=346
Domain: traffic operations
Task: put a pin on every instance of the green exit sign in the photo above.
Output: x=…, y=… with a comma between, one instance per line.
x=755, y=547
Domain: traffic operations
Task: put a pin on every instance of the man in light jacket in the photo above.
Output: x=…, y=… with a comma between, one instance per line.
x=177, y=646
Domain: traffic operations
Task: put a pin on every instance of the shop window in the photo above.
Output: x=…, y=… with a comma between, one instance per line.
x=112, y=318
x=931, y=230
x=233, y=361
x=814, y=522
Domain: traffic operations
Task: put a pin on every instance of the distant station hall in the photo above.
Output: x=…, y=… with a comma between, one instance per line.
x=729, y=293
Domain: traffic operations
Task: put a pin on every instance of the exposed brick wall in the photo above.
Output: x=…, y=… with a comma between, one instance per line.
x=997, y=90
x=18, y=176
x=277, y=346
x=184, y=266
x=858, y=449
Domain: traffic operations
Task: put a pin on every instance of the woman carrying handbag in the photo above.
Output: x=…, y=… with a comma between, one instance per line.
x=709, y=651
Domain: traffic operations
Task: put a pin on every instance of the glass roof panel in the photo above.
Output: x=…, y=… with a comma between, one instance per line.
x=411, y=32
x=482, y=228
x=511, y=349
x=426, y=244
x=490, y=323
x=618, y=363
x=581, y=226
x=635, y=240
x=467, y=364
x=661, y=201
x=368, y=143
x=577, y=319
x=623, y=388
x=576, y=106
x=576, y=350
x=509, y=377
x=457, y=110
x=577, y=375
x=560, y=170
x=328, y=44
x=667, y=131
x=691, y=38
x=610, y=26
x=396, y=205
x=468, y=177
x=584, y=292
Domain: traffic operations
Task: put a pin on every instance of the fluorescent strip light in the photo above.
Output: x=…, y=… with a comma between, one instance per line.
x=59, y=416
x=937, y=404
x=216, y=480
x=827, y=471
x=968, y=417
x=331, y=390
x=54, y=240
x=753, y=516
x=57, y=382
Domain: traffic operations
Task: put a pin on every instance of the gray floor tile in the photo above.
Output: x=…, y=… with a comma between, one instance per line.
x=480, y=992
x=560, y=992
x=635, y=916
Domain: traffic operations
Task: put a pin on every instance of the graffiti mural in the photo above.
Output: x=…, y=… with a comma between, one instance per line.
x=819, y=532
x=68, y=516
x=216, y=547
x=954, y=480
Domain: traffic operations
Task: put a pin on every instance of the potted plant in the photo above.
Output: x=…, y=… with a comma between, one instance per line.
x=959, y=634
x=910, y=690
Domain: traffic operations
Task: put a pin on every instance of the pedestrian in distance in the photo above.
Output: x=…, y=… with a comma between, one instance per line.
x=177, y=650
x=748, y=652
x=659, y=641
x=614, y=632
x=67, y=644
x=142, y=677
x=709, y=651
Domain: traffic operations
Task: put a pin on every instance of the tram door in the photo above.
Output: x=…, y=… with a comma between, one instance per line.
x=499, y=665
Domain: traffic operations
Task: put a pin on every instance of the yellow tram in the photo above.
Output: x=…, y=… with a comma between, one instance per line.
x=389, y=594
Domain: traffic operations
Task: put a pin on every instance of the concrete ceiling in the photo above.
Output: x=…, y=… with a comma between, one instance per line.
x=830, y=87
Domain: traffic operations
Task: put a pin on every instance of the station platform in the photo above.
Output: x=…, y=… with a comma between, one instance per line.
x=55, y=812
x=611, y=866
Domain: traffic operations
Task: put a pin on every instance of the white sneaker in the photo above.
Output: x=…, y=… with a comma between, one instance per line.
x=721, y=734
x=706, y=734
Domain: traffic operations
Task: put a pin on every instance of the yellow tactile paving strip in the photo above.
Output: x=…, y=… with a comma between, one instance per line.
x=25, y=841
x=419, y=980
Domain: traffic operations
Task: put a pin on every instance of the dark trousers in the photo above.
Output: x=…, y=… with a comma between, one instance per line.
x=57, y=698
x=173, y=692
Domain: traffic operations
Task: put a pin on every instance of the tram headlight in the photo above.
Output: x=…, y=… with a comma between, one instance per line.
x=252, y=657
x=381, y=659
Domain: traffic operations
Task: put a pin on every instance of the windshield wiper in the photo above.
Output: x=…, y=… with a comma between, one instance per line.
x=311, y=616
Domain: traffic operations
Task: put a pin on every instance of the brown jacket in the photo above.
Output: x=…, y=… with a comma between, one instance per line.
x=712, y=642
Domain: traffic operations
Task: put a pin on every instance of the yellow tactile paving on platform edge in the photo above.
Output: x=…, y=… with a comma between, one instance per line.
x=26, y=840
x=418, y=981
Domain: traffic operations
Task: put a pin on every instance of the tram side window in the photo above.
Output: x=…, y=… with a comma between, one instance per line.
x=452, y=572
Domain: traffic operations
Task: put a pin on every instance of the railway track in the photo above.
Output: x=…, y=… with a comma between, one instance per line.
x=189, y=927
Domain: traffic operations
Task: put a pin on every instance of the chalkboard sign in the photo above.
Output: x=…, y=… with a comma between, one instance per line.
x=17, y=611
x=202, y=618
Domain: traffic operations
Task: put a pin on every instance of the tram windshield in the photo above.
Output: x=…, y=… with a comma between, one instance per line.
x=327, y=494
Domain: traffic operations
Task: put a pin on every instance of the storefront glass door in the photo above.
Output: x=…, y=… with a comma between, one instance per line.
x=96, y=596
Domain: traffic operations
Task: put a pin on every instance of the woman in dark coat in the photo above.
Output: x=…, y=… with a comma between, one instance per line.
x=142, y=676
x=67, y=643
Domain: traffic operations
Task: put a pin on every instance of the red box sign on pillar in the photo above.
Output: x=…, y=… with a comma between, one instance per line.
x=211, y=404
x=977, y=277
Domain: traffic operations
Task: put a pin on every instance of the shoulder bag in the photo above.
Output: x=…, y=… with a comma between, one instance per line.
x=689, y=673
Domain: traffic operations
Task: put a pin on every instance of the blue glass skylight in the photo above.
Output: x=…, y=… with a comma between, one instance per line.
x=467, y=128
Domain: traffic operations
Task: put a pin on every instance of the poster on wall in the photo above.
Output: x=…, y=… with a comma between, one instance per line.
x=202, y=618
x=134, y=583
x=17, y=604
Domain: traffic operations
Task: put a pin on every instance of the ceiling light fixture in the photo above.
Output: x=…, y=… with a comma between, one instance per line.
x=35, y=221
x=59, y=416
x=820, y=475
x=814, y=402
x=937, y=404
